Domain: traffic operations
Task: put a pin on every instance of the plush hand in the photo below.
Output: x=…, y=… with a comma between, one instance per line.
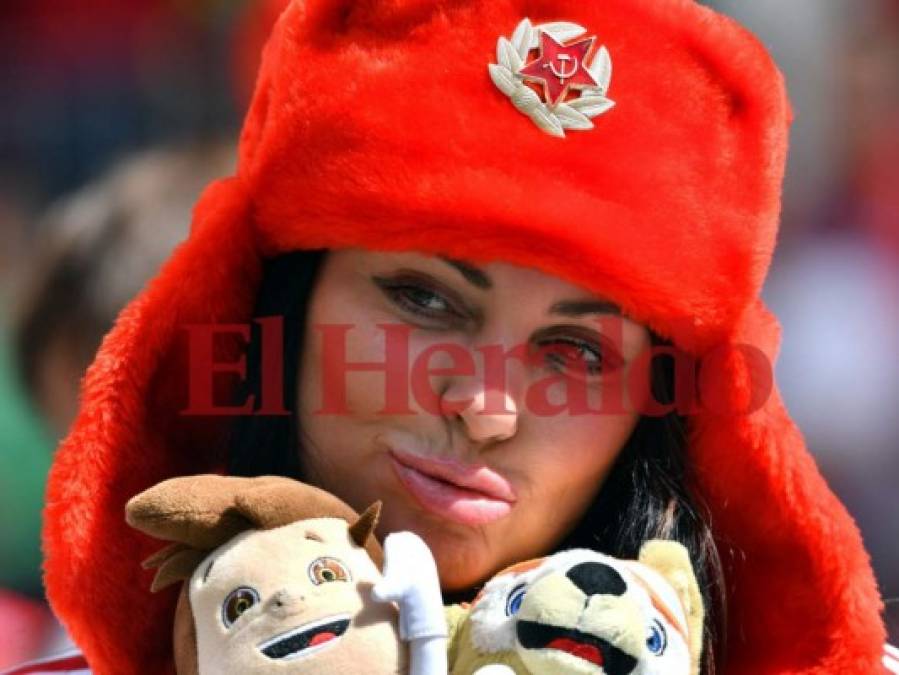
x=411, y=580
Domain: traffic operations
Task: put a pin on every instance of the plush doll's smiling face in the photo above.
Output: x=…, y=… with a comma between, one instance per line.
x=294, y=599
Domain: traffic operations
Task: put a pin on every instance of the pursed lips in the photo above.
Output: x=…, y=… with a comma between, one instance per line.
x=473, y=495
x=477, y=478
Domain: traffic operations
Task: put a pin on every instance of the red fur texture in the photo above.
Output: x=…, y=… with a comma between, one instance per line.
x=374, y=124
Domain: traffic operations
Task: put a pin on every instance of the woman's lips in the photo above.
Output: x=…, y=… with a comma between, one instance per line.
x=468, y=494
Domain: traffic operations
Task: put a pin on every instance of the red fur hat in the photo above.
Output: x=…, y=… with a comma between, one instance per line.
x=377, y=124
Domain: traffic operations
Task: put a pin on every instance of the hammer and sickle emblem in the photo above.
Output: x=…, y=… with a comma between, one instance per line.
x=561, y=73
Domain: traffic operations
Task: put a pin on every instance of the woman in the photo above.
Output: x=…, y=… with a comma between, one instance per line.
x=556, y=463
x=477, y=179
x=494, y=481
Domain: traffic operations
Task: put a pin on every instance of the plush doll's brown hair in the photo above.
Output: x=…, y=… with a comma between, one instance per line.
x=200, y=513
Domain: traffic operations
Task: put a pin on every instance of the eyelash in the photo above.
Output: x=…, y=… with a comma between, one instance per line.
x=400, y=293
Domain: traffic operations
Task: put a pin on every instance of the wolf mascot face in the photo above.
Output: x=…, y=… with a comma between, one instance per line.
x=580, y=612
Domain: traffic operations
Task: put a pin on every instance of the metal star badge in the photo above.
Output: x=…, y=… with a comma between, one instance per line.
x=573, y=81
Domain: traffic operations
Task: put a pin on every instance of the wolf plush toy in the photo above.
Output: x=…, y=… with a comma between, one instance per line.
x=580, y=612
x=281, y=577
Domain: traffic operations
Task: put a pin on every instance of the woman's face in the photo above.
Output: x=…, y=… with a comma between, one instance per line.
x=503, y=479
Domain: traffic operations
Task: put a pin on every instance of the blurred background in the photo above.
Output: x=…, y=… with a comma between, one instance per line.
x=116, y=115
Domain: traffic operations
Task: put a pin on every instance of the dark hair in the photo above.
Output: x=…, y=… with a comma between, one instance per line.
x=648, y=494
x=651, y=494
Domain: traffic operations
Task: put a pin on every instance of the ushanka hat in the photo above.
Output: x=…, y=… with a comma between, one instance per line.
x=633, y=147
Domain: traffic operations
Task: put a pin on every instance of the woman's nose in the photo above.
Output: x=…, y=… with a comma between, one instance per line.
x=490, y=416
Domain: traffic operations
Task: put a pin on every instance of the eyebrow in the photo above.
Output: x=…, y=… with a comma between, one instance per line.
x=474, y=276
x=581, y=307
x=570, y=308
x=208, y=570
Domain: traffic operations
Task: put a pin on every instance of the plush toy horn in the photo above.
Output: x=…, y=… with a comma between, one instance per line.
x=362, y=529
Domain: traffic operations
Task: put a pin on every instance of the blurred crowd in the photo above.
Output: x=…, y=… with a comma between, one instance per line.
x=116, y=115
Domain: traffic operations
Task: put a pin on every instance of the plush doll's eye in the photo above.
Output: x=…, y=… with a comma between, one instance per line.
x=326, y=570
x=513, y=602
x=238, y=602
x=657, y=638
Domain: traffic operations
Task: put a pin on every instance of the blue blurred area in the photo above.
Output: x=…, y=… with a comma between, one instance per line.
x=86, y=83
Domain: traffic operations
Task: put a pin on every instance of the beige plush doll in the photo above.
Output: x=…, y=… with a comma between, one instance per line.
x=580, y=612
x=279, y=578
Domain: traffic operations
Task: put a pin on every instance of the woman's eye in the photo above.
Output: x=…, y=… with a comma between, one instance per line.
x=577, y=356
x=238, y=602
x=418, y=299
x=656, y=638
x=327, y=570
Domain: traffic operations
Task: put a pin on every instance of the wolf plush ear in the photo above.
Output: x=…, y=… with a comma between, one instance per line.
x=672, y=561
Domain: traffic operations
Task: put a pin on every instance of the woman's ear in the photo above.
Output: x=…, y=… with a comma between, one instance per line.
x=672, y=561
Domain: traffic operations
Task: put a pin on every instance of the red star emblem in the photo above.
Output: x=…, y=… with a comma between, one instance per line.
x=560, y=67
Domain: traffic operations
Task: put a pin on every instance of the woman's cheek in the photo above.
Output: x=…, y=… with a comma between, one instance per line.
x=577, y=453
x=346, y=371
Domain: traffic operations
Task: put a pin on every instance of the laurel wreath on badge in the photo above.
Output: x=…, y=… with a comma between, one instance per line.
x=574, y=114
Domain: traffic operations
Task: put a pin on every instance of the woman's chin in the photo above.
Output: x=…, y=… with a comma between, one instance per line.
x=463, y=559
x=464, y=556
x=461, y=570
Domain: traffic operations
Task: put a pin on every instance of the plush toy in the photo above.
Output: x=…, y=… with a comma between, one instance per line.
x=580, y=612
x=281, y=577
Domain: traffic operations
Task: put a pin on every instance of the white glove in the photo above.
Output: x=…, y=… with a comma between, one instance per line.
x=411, y=581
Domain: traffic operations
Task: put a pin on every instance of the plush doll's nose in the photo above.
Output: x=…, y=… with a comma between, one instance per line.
x=284, y=603
x=597, y=579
